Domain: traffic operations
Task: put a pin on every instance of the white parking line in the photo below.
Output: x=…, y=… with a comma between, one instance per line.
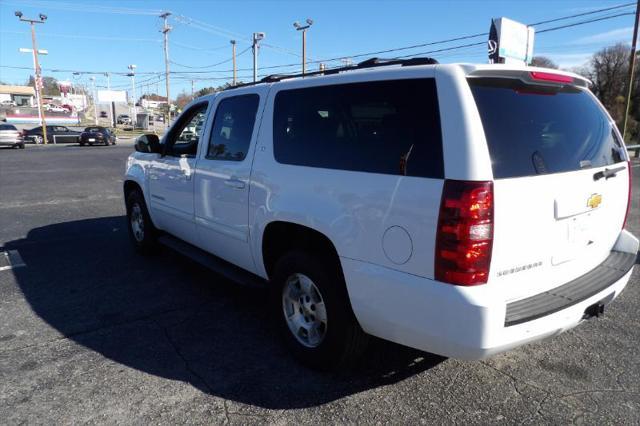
x=11, y=260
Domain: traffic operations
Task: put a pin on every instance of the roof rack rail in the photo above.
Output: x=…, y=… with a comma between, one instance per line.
x=369, y=63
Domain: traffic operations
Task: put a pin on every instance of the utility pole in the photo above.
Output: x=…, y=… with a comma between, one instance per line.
x=95, y=99
x=38, y=71
x=132, y=74
x=233, y=57
x=632, y=63
x=192, y=91
x=256, y=38
x=304, y=29
x=165, y=31
x=108, y=75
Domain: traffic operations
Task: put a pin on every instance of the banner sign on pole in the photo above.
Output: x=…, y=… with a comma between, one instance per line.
x=510, y=42
x=112, y=96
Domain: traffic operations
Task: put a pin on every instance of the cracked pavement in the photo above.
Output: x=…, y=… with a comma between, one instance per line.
x=90, y=332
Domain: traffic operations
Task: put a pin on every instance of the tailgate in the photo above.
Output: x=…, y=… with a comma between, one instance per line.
x=561, y=182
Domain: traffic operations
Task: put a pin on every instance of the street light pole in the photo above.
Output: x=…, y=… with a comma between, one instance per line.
x=165, y=31
x=132, y=74
x=95, y=99
x=233, y=56
x=304, y=29
x=38, y=71
x=256, y=38
x=632, y=63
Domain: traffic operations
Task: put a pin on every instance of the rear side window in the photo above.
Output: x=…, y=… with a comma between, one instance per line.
x=389, y=127
x=233, y=127
x=7, y=127
x=533, y=129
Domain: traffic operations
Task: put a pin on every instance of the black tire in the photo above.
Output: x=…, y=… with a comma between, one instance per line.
x=106, y=142
x=344, y=340
x=147, y=244
x=21, y=146
x=81, y=143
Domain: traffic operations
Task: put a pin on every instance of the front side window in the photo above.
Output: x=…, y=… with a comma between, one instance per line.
x=233, y=127
x=184, y=136
x=388, y=127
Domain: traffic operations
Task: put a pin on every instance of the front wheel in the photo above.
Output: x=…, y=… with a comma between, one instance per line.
x=38, y=139
x=312, y=311
x=141, y=230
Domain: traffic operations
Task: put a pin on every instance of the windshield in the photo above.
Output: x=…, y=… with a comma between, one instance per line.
x=533, y=129
x=93, y=129
x=7, y=127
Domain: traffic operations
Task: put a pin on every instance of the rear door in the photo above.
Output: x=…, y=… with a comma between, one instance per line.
x=560, y=180
x=222, y=177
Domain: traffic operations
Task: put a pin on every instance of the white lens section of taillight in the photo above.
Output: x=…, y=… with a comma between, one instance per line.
x=480, y=232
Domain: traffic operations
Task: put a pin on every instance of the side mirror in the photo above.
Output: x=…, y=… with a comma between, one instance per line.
x=148, y=143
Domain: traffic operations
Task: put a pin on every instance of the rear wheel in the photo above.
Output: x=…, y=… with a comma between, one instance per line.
x=141, y=230
x=21, y=145
x=311, y=308
x=38, y=139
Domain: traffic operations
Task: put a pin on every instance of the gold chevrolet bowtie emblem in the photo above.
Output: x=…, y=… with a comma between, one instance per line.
x=594, y=201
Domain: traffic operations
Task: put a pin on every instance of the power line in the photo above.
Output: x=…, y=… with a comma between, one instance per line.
x=73, y=7
x=188, y=46
x=586, y=22
x=87, y=37
x=548, y=21
x=466, y=37
x=450, y=48
x=212, y=65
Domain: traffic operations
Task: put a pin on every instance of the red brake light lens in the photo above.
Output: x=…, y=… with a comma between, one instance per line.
x=464, y=238
x=547, y=76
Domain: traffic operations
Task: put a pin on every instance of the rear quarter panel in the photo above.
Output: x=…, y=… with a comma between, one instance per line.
x=353, y=209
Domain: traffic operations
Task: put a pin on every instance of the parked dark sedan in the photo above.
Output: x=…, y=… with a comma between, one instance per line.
x=55, y=134
x=97, y=135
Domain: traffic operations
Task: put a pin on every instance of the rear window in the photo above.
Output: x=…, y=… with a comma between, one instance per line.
x=533, y=129
x=7, y=127
x=389, y=127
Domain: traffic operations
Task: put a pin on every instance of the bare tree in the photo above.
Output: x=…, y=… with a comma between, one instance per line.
x=544, y=62
x=609, y=68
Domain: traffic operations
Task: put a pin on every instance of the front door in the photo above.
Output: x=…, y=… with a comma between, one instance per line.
x=222, y=179
x=171, y=175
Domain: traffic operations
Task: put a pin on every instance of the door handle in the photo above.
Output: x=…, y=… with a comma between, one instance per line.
x=234, y=183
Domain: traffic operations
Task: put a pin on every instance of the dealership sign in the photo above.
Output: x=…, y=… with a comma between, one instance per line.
x=112, y=96
x=510, y=42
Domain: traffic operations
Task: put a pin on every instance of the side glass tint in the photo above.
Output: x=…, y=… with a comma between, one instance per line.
x=232, y=128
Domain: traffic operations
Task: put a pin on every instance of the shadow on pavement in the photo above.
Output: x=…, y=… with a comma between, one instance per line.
x=166, y=316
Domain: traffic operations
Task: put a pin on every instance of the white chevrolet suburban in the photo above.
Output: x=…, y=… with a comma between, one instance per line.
x=458, y=209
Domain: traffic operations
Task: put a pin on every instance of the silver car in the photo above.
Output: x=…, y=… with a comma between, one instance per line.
x=10, y=136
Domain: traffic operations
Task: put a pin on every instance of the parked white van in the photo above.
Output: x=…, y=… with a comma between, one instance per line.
x=459, y=209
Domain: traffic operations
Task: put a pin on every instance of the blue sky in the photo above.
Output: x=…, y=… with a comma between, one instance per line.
x=96, y=36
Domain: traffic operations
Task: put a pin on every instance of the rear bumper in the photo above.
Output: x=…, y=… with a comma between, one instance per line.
x=465, y=323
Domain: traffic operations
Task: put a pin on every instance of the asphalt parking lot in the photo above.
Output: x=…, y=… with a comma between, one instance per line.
x=92, y=332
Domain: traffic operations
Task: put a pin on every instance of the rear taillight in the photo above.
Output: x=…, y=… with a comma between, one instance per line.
x=547, y=76
x=465, y=233
x=626, y=215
